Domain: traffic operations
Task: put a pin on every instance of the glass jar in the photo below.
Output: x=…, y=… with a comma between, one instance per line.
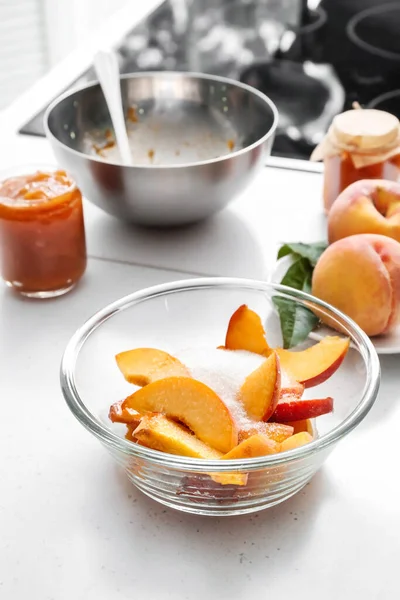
x=360, y=144
x=42, y=233
x=340, y=172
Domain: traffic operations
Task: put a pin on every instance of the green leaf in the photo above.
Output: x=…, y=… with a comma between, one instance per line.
x=296, y=321
x=297, y=274
x=312, y=252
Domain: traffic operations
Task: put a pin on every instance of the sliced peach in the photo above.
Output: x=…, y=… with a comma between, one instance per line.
x=317, y=363
x=163, y=434
x=117, y=414
x=289, y=410
x=201, y=489
x=229, y=478
x=142, y=366
x=303, y=425
x=194, y=404
x=246, y=332
x=160, y=433
x=289, y=386
x=297, y=440
x=261, y=445
x=260, y=391
x=129, y=433
x=278, y=432
x=256, y=445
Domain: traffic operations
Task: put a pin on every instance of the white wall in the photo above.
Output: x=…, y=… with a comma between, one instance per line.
x=23, y=46
x=69, y=21
x=36, y=34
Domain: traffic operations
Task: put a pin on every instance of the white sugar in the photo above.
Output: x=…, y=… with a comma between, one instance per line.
x=223, y=371
x=286, y=380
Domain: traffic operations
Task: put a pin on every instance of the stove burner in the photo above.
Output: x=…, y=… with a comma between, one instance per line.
x=389, y=102
x=364, y=29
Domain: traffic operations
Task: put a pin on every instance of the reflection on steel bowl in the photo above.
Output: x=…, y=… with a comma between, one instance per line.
x=197, y=141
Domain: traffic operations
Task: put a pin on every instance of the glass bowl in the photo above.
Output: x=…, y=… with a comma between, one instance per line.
x=195, y=313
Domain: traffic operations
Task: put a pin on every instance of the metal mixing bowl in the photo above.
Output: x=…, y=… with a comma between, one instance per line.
x=182, y=127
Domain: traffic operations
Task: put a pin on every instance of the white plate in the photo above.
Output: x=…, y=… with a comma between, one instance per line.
x=384, y=344
x=387, y=344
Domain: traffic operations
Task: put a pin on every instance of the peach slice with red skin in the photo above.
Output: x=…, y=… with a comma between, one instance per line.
x=246, y=332
x=316, y=364
x=297, y=440
x=289, y=410
x=260, y=391
x=194, y=404
x=142, y=366
x=278, y=432
x=289, y=386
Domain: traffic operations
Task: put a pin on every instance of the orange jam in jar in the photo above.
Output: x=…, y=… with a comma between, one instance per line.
x=42, y=233
x=340, y=172
x=360, y=144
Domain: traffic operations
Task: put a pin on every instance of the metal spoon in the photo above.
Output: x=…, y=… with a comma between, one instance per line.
x=107, y=70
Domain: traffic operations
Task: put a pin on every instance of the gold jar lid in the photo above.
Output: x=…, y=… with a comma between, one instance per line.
x=366, y=129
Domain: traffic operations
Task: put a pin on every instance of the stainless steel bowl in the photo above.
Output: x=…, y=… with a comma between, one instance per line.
x=184, y=166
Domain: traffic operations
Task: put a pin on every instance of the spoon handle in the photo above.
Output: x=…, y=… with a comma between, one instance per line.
x=107, y=70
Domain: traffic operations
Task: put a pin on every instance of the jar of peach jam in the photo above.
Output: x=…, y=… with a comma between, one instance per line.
x=42, y=234
x=360, y=144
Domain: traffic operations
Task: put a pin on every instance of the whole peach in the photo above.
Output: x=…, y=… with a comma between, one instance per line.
x=360, y=275
x=366, y=206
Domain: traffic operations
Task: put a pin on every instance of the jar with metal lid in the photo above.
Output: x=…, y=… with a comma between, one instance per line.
x=360, y=144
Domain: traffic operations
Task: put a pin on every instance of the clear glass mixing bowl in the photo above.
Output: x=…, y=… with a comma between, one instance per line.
x=195, y=313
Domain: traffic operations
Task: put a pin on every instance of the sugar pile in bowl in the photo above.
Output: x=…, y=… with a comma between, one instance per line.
x=223, y=371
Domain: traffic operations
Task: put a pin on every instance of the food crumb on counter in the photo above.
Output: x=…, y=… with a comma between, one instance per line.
x=132, y=114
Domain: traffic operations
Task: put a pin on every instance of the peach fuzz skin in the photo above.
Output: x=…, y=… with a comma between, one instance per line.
x=366, y=206
x=360, y=275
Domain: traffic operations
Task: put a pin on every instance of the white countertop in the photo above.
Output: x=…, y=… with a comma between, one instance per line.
x=72, y=526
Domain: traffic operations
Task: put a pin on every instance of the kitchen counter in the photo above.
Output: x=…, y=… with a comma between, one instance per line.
x=71, y=524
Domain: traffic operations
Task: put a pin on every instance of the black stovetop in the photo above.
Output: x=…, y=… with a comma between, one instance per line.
x=338, y=52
